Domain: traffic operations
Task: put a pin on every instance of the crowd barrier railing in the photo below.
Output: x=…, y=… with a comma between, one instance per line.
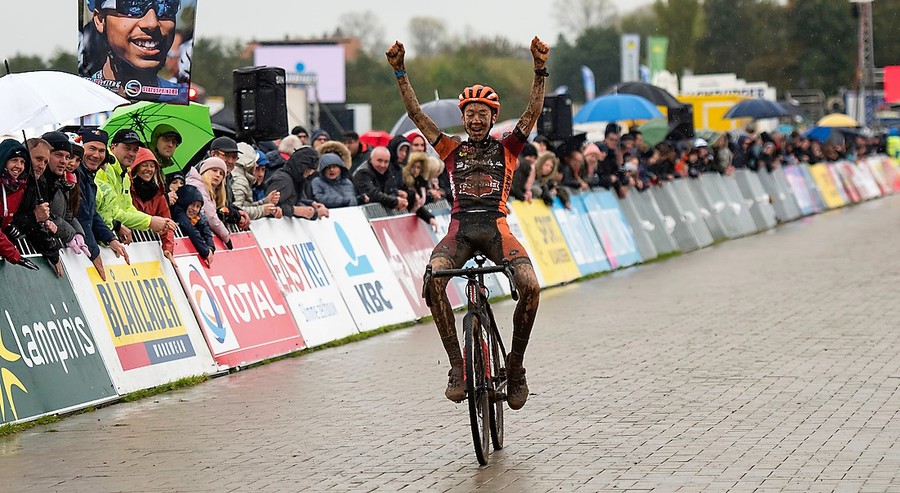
x=291, y=284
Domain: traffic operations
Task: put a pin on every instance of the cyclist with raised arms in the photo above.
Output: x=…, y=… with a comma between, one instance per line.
x=481, y=171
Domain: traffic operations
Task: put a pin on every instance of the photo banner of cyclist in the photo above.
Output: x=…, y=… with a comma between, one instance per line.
x=139, y=49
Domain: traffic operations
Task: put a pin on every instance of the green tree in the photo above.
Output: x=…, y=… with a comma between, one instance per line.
x=886, y=19
x=214, y=60
x=24, y=63
x=682, y=22
x=598, y=49
x=822, y=35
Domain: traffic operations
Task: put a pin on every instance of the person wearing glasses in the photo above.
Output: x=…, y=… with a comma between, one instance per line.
x=138, y=35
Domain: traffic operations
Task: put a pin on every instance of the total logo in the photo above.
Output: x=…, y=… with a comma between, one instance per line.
x=211, y=315
x=8, y=380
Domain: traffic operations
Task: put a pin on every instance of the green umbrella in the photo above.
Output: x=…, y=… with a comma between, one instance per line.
x=192, y=122
x=654, y=131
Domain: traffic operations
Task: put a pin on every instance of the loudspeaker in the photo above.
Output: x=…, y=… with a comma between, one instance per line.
x=260, y=108
x=681, y=123
x=555, y=120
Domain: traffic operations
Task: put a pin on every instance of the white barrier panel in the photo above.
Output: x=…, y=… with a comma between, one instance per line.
x=784, y=188
x=784, y=210
x=711, y=210
x=359, y=267
x=683, y=232
x=140, y=318
x=692, y=210
x=639, y=227
x=739, y=204
x=760, y=209
x=304, y=279
x=658, y=226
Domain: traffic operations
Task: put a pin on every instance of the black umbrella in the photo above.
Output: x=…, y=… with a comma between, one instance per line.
x=657, y=95
x=756, y=109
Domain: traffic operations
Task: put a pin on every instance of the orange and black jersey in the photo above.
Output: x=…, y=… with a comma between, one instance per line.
x=481, y=172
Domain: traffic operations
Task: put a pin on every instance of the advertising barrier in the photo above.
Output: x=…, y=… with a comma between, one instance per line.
x=847, y=192
x=549, y=248
x=795, y=179
x=613, y=230
x=576, y=227
x=813, y=187
x=242, y=313
x=826, y=186
x=408, y=244
x=304, y=279
x=141, y=321
x=784, y=188
x=362, y=273
x=49, y=359
x=512, y=220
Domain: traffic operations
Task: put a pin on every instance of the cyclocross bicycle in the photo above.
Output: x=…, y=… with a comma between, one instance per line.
x=484, y=355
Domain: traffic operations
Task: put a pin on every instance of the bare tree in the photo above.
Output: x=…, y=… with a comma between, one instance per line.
x=427, y=35
x=575, y=16
x=364, y=26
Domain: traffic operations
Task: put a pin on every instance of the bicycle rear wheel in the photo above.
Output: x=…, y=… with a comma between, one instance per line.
x=477, y=371
x=498, y=376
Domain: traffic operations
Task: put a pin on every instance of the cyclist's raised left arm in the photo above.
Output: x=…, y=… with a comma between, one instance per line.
x=539, y=52
x=426, y=125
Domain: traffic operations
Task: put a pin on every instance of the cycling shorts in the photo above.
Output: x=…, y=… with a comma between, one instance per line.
x=485, y=232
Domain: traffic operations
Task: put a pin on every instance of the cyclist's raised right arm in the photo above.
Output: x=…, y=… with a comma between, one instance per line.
x=426, y=125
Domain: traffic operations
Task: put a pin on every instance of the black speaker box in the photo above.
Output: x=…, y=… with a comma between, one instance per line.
x=681, y=123
x=555, y=120
x=260, y=107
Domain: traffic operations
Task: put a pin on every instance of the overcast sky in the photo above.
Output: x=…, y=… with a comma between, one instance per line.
x=41, y=27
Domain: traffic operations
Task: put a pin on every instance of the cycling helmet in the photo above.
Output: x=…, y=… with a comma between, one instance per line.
x=480, y=94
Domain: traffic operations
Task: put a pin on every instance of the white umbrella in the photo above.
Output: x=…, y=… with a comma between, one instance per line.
x=32, y=99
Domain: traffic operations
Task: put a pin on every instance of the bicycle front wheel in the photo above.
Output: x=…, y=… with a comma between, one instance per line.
x=477, y=385
x=498, y=376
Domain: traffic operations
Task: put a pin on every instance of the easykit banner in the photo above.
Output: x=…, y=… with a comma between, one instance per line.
x=49, y=359
x=141, y=321
x=496, y=283
x=550, y=250
x=139, y=49
x=825, y=180
x=363, y=275
x=241, y=311
x=795, y=179
x=407, y=244
x=304, y=279
x=580, y=235
x=612, y=228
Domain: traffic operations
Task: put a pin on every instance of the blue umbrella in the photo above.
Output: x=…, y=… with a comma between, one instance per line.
x=823, y=134
x=615, y=107
x=756, y=109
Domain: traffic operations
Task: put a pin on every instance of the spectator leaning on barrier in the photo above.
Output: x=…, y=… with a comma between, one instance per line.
x=523, y=176
x=226, y=149
x=436, y=169
x=58, y=191
x=188, y=213
x=375, y=179
x=95, y=229
x=414, y=184
x=210, y=181
x=333, y=186
x=258, y=185
x=572, y=169
x=399, y=148
x=291, y=182
x=114, y=202
x=286, y=148
x=244, y=179
x=148, y=195
x=547, y=178
x=14, y=180
x=39, y=150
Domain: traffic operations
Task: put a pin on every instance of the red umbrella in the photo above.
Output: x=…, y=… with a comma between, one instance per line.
x=374, y=138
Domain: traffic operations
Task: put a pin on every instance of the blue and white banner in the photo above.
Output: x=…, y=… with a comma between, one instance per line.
x=587, y=251
x=612, y=229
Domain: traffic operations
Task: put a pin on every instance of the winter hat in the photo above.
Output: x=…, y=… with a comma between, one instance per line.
x=247, y=158
x=528, y=150
x=318, y=133
x=591, y=149
x=93, y=135
x=698, y=143
x=261, y=158
x=77, y=148
x=330, y=159
x=58, y=141
x=212, y=162
x=144, y=155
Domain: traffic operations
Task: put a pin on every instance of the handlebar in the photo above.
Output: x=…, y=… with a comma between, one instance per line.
x=470, y=273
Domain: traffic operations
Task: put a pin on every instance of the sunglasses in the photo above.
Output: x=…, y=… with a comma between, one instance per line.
x=165, y=9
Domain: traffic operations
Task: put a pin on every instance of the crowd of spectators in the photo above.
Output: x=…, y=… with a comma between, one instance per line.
x=623, y=162
x=84, y=190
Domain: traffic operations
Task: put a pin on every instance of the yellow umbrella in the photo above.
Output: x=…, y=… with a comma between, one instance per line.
x=837, y=120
